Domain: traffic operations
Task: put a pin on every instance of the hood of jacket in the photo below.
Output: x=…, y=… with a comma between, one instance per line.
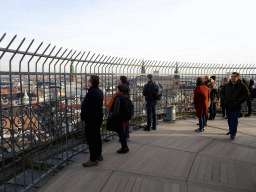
x=123, y=96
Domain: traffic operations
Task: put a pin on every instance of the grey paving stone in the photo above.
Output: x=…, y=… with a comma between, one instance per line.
x=196, y=187
x=223, y=172
x=121, y=181
x=161, y=162
x=79, y=180
x=181, y=142
x=230, y=151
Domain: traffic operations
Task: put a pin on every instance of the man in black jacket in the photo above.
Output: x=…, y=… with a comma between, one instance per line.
x=151, y=103
x=92, y=115
x=234, y=94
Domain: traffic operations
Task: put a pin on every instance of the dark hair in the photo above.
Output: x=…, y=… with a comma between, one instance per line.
x=94, y=80
x=123, y=79
x=123, y=88
x=237, y=74
x=199, y=80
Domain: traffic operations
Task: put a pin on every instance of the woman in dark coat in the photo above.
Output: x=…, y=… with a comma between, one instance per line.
x=116, y=123
x=201, y=102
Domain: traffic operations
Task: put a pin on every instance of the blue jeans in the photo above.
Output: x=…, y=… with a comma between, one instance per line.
x=127, y=131
x=232, y=115
x=122, y=139
x=202, y=121
x=151, y=110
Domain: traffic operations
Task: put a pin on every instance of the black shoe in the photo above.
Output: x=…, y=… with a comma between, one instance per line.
x=121, y=150
x=146, y=129
x=153, y=128
x=228, y=133
x=100, y=158
x=199, y=130
x=247, y=115
x=232, y=136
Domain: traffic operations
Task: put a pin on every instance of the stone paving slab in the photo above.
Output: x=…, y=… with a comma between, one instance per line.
x=79, y=180
x=197, y=187
x=188, y=143
x=112, y=160
x=230, y=151
x=161, y=162
x=223, y=172
x=121, y=181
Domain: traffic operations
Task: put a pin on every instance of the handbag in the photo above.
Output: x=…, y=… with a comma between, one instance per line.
x=114, y=124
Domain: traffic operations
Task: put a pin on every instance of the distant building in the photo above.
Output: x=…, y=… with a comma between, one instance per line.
x=176, y=81
x=72, y=71
x=143, y=70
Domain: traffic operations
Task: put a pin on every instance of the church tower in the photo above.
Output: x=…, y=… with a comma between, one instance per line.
x=72, y=71
x=176, y=80
x=143, y=70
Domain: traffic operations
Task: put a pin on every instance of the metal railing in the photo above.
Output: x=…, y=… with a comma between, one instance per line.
x=41, y=93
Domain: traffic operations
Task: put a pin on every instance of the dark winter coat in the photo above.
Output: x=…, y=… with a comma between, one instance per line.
x=234, y=96
x=92, y=107
x=201, y=99
x=250, y=87
x=117, y=112
x=147, y=91
x=213, y=93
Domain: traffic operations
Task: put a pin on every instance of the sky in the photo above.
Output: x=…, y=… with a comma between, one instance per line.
x=204, y=31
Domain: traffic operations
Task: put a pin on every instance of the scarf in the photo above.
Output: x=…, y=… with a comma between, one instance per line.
x=111, y=103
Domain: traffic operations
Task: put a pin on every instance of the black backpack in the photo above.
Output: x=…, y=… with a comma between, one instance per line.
x=156, y=94
x=128, y=110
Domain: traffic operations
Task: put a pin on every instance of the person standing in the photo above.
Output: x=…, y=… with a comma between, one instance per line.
x=214, y=98
x=249, y=100
x=223, y=110
x=201, y=102
x=116, y=118
x=234, y=94
x=148, y=92
x=92, y=115
x=207, y=83
x=123, y=81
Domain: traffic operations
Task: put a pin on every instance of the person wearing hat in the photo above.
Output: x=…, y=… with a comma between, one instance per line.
x=151, y=103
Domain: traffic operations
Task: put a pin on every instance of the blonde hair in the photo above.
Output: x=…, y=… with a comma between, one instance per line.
x=225, y=80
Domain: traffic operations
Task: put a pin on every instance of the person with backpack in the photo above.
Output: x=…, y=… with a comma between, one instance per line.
x=123, y=81
x=150, y=91
x=119, y=115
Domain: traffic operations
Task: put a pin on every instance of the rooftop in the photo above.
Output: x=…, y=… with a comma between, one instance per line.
x=172, y=158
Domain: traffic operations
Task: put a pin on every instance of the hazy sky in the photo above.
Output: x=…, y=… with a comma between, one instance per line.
x=213, y=31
